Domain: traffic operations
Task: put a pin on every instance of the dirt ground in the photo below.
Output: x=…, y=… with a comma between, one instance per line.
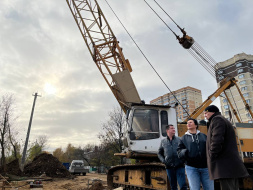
x=78, y=183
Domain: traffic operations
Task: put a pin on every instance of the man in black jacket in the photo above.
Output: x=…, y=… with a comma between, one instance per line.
x=223, y=160
x=167, y=153
x=192, y=149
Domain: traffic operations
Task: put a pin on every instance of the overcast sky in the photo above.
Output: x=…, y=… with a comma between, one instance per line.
x=43, y=51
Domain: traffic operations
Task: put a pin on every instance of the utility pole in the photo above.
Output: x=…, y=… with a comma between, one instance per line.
x=28, y=133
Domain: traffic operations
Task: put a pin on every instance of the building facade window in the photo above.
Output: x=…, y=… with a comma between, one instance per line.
x=240, y=71
x=226, y=107
x=238, y=64
x=221, y=77
x=220, y=72
x=225, y=100
x=244, y=88
x=248, y=101
x=245, y=94
x=243, y=82
x=241, y=76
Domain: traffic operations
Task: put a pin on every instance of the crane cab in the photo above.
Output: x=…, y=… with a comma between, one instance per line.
x=146, y=127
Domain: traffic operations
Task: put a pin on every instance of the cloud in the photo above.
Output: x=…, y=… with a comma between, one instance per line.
x=41, y=44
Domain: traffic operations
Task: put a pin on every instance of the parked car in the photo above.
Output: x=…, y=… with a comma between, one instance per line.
x=77, y=167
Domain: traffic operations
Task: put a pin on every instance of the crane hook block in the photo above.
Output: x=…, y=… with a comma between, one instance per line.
x=186, y=41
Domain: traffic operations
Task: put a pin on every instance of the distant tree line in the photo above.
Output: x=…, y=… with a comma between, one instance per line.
x=103, y=153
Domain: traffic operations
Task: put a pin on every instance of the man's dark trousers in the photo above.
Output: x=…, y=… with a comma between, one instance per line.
x=177, y=175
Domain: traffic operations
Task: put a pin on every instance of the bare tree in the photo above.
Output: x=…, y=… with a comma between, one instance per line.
x=110, y=135
x=14, y=143
x=42, y=141
x=97, y=157
x=6, y=109
x=37, y=147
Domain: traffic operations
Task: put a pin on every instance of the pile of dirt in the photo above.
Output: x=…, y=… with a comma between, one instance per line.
x=48, y=164
x=97, y=186
x=12, y=168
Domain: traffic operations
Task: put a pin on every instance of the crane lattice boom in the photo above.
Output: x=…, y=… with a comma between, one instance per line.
x=105, y=50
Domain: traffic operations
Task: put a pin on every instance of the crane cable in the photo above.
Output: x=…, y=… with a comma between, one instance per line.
x=162, y=19
x=207, y=62
x=147, y=59
x=165, y=13
x=197, y=52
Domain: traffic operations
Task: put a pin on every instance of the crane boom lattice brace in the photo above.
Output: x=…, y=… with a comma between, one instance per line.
x=226, y=84
x=104, y=49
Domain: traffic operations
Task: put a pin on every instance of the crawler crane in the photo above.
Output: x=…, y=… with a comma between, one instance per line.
x=145, y=123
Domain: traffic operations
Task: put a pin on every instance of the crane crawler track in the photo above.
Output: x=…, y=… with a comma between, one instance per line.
x=143, y=176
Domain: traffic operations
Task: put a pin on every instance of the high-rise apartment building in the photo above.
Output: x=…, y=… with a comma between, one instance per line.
x=241, y=68
x=189, y=97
